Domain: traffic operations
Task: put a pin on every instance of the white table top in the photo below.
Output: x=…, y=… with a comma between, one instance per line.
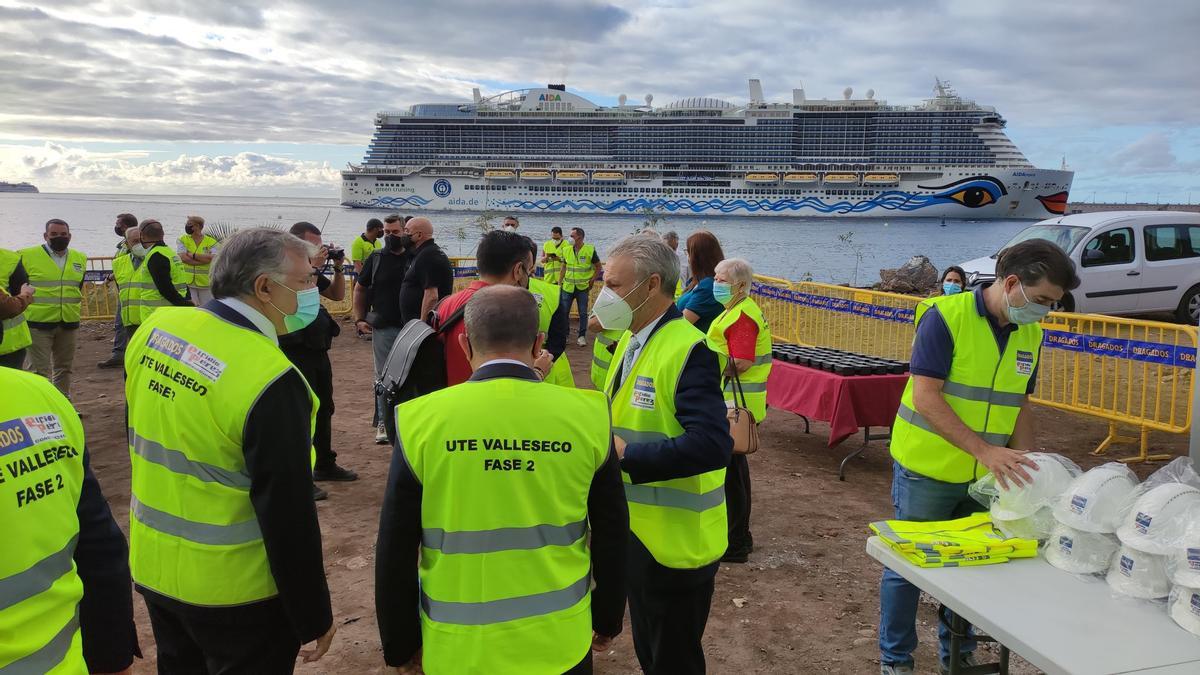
x=1056, y=620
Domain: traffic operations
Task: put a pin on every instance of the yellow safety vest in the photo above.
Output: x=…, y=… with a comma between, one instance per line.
x=602, y=347
x=197, y=275
x=551, y=267
x=925, y=304
x=123, y=270
x=16, y=331
x=192, y=377
x=754, y=380
x=680, y=521
x=547, y=296
x=361, y=248
x=579, y=266
x=41, y=447
x=58, y=297
x=985, y=388
x=144, y=296
x=504, y=568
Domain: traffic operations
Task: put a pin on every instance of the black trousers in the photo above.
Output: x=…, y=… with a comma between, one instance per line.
x=668, y=610
x=315, y=367
x=737, y=504
x=15, y=360
x=209, y=643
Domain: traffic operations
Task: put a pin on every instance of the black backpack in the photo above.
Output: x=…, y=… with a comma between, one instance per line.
x=415, y=366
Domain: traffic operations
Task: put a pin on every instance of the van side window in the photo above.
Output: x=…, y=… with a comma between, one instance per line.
x=1172, y=242
x=1110, y=248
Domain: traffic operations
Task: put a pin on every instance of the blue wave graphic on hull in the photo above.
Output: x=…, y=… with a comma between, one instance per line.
x=415, y=200
x=888, y=201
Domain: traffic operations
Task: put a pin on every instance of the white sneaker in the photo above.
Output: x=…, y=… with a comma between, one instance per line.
x=582, y=341
x=380, y=435
x=901, y=669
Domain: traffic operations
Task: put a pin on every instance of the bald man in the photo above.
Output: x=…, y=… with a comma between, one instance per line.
x=430, y=276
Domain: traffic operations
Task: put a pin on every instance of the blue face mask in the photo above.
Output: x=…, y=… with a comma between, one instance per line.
x=1030, y=312
x=308, y=303
x=722, y=292
x=951, y=288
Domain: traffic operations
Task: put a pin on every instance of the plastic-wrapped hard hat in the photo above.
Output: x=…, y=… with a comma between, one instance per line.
x=1183, y=562
x=1080, y=552
x=1158, y=520
x=1138, y=574
x=1036, y=526
x=1096, y=500
x=1184, y=608
x=1050, y=480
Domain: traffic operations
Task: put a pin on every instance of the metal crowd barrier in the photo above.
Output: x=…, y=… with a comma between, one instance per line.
x=1129, y=372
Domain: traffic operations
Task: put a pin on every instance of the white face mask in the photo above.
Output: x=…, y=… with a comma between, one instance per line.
x=612, y=311
x=138, y=250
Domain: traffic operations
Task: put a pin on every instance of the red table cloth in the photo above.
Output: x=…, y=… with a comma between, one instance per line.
x=848, y=403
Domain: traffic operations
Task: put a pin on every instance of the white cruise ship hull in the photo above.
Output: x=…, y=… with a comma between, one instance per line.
x=969, y=193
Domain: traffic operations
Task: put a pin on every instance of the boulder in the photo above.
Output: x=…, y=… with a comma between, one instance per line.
x=918, y=275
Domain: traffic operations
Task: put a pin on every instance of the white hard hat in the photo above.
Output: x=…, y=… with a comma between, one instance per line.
x=1080, y=552
x=1095, y=501
x=1036, y=526
x=1183, y=562
x=1049, y=481
x=1159, y=518
x=1138, y=574
x=1184, y=607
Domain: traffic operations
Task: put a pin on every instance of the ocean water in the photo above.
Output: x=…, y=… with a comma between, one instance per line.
x=786, y=247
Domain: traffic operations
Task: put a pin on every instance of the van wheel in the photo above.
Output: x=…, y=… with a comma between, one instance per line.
x=1067, y=304
x=1189, y=307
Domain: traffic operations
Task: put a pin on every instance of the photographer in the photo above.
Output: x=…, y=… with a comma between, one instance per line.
x=308, y=350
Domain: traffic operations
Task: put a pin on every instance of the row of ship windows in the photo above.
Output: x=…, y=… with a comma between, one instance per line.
x=700, y=191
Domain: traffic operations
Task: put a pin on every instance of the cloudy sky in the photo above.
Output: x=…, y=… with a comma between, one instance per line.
x=241, y=97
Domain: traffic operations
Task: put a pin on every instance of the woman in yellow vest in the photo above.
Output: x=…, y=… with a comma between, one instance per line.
x=964, y=413
x=954, y=280
x=196, y=250
x=742, y=340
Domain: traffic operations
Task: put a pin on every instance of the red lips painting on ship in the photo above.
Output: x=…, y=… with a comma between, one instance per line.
x=1055, y=203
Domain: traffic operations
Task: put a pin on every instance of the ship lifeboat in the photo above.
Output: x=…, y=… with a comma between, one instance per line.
x=499, y=174
x=535, y=174
x=800, y=178
x=570, y=176
x=608, y=176
x=762, y=178
x=881, y=178
x=840, y=178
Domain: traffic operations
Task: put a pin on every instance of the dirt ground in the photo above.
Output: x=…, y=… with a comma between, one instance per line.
x=807, y=602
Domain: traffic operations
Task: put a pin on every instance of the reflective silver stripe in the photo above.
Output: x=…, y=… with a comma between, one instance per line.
x=599, y=363
x=658, y=495
x=50, y=655
x=137, y=284
x=631, y=436
x=53, y=284
x=47, y=300
x=604, y=340
x=748, y=387
x=982, y=394
x=37, y=578
x=13, y=322
x=914, y=418
x=508, y=609
x=209, y=534
x=760, y=360
x=502, y=539
x=177, y=462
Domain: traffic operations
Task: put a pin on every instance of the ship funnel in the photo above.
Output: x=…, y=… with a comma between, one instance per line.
x=756, y=95
x=797, y=97
x=475, y=95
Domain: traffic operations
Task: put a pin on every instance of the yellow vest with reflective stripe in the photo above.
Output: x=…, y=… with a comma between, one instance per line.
x=550, y=268
x=123, y=270
x=197, y=275
x=547, y=296
x=41, y=462
x=754, y=380
x=16, y=331
x=192, y=378
x=925, y=304
x=58, y=297
x=505, y=582
x=579, y=266
x=602, y=346
x=680, y=521
x=144, y=296
x=984, y=388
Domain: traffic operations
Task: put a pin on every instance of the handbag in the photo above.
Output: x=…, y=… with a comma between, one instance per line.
x=741, y=422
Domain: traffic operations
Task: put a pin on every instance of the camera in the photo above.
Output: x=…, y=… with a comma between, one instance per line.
x=336, y=253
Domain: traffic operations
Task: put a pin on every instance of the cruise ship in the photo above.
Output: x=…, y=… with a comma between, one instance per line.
x=549, y=150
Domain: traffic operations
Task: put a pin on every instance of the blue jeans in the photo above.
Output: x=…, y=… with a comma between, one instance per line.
x=382, y=340
x=922, y=499
x=580, y=298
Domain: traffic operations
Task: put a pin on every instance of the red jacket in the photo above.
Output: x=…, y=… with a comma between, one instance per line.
x=458, y=368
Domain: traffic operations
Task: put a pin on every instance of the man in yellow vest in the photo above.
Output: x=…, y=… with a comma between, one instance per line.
x=60, y=543
x=56, y=274
x=580, y=269
x=964, y=413
x=365, y=244
x=14, y=331
x=551, y=257
x=500, y=503
x=196, y=251
x=670, y=431
x=124, y=223
x=124, y=267
x=225, y=546
x=160, y=280
x=554, y=323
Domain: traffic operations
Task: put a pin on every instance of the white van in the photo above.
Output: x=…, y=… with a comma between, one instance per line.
x=1129, y=262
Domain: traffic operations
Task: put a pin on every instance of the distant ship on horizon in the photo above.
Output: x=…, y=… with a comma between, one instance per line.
x=549, y=150
x=17, y=187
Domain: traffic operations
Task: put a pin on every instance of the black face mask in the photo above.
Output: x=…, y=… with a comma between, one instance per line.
x=394, y=242
x=59, y=244
x=119, y=230
x=189, y=229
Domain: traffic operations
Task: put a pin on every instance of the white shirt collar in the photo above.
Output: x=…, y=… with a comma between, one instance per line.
x=644, y=334
x=53, y=253
x=262, y=323
x=511, y=361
